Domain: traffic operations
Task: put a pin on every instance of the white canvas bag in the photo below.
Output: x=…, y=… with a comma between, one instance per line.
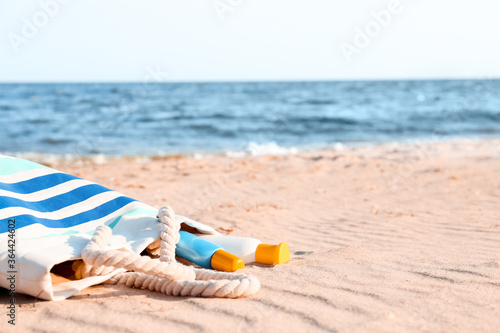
x=47, y=217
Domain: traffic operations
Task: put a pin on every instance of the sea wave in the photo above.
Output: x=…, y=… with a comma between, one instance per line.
x=207, y=118
x=263, y=149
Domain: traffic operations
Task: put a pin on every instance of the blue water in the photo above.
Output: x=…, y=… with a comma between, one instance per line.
x=170, y=118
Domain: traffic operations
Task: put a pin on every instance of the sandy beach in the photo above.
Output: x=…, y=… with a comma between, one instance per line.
x=386, y=238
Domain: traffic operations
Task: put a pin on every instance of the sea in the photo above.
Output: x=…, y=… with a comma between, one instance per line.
x=130, y=119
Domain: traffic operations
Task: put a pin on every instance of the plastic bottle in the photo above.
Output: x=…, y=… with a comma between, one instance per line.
x=251, y=249
x=206, y=254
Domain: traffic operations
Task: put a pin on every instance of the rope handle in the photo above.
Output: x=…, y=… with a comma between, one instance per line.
x=165, y=275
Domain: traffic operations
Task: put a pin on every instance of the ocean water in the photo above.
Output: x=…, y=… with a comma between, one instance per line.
x=186, y=118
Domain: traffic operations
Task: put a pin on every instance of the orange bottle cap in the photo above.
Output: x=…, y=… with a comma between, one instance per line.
x=226, y=262
x=272, y=254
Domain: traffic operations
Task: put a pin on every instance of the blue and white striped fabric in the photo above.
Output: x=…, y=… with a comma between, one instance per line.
x=45, y=202
x=55, y=214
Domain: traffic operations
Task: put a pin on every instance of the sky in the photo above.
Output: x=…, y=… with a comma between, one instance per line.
x=247, y=40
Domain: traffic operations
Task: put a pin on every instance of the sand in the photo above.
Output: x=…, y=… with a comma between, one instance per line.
x=387, y=238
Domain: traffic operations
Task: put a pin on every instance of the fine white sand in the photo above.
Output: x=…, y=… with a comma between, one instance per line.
x=389, y=238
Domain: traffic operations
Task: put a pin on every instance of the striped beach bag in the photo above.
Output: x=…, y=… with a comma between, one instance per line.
x=60, y=234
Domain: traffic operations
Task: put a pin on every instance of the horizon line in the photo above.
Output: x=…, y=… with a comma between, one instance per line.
x=257, y=81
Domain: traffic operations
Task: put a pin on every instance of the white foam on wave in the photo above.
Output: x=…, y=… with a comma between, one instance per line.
x=264, y=149
x=251, y=149
x=270, y=148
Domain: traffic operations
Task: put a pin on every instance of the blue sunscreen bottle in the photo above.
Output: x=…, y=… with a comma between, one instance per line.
x=206, y=254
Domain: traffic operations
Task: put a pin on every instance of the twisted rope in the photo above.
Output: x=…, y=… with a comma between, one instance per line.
x=165, y=275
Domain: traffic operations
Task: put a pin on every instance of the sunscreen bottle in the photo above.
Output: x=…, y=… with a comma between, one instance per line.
x=206, y=254
x=251, y=249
